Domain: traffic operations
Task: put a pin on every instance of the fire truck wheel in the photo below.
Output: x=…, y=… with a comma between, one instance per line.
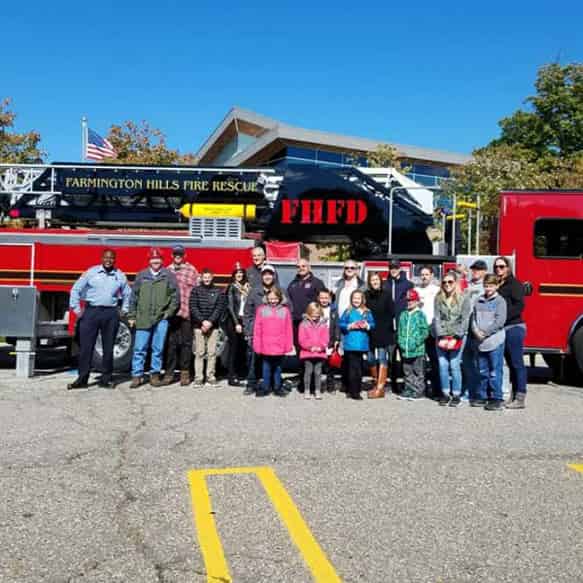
x=122, y=349
x=577, y=344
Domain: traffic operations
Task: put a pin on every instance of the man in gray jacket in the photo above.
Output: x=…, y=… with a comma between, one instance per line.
x=487, y=326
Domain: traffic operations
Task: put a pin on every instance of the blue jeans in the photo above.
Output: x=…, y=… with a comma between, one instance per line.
x=450, y=362
x=272, y=372
x=514, y=354
x=471, y=369
x=142, y=341
x=490, y=366
x=378, y=356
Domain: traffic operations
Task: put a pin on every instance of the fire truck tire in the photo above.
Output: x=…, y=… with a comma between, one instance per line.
x=122, y=349
x=577, y=344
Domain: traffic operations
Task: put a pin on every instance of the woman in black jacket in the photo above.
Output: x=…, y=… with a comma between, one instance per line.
x=382, y=307
x=237, y=293
x=512, y=291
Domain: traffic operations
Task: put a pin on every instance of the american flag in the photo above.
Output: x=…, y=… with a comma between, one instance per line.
x=98, y=148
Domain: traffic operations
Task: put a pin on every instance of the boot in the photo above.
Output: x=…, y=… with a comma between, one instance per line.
x=374, y=373
x=136, y=382
x=184, y=378
x=168, y=378
x=156, y=380
x=379, y=391
x=519, y=402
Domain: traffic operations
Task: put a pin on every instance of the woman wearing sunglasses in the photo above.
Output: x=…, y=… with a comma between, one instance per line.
x=512, y=291
x=451, y=321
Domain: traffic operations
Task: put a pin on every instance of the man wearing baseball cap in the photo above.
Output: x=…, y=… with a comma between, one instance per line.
x=155, y=299
x=179, y=344
x=470, y=366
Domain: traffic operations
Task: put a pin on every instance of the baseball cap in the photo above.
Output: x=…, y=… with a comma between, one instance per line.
x=413, y=295
x=178, y=250
x=155, y=253
x=394, y=263
x=479, y=264
x=268, y=267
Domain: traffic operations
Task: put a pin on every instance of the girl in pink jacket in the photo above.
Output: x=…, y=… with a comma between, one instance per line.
x=313, y=338
x=272, y=339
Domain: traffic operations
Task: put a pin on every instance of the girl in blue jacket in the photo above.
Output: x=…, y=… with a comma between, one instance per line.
x=355, y=324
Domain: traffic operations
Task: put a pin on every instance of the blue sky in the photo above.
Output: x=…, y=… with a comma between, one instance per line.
x=435, y=74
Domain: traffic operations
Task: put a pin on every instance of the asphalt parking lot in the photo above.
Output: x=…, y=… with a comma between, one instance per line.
x=94, y=487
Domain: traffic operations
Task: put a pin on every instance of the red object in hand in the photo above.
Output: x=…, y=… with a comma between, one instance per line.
x=335, y=359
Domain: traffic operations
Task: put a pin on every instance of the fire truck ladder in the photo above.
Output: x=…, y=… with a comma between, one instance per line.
x=37, y=191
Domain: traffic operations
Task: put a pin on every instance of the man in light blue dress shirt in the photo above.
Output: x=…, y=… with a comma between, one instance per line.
x=102, y=287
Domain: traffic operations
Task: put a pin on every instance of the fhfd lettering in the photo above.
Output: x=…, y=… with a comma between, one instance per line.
x=323, y=212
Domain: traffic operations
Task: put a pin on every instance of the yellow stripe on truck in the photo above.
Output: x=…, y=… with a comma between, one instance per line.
x=235, y=211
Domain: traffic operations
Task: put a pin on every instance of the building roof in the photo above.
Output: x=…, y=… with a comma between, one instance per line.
x=267, y=130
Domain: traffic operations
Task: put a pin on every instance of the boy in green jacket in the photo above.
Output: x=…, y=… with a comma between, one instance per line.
x=412, y=333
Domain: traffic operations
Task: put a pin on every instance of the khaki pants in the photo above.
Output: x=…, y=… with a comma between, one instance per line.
x=205, y=345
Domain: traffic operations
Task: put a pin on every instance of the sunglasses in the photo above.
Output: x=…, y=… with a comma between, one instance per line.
x=500, y=266
x=448, y=282
x=349, y=268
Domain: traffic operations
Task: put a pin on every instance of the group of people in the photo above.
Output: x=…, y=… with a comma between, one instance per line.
x=446, y=341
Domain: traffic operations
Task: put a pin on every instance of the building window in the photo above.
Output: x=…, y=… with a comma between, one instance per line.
x=558, y=238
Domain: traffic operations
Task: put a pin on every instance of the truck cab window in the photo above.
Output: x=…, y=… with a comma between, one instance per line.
x=558, y=238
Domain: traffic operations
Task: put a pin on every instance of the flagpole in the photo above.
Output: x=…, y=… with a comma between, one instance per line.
x=83, y=138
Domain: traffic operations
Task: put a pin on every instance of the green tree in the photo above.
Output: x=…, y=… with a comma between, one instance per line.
x=142, y=144
x=14, y=147
x=553, y=124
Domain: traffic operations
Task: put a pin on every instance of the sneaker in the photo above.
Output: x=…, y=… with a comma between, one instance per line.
x=519, y=402
x=318, y=396
x=198, y=383
x=443, y=400
x=212, y=381
x=478, y=402
x=495, y=406
x=280, y=393
x=456, y=402
x=406, y=395
x=78, y=384
x=465, y=397
x=261, y=393
x=249, y=390
x=415, y=397
x=307, y=396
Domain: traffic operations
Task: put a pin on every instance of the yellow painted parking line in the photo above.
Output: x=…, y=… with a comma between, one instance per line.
x=208, y=537
x=210, y=542
x=576, y=467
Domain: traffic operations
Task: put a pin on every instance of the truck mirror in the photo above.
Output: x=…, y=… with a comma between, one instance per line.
x=527, y=288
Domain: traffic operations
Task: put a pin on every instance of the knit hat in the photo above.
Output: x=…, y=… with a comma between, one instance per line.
x=155, y=253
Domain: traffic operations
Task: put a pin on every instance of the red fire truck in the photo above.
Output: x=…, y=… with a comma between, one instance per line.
x=543, y=230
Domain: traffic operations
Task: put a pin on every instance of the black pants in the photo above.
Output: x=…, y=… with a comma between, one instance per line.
x=178, y=344
x=254, y=365
x=237, y=351
x=97, y=319
x=432, y=382
x=353, y=371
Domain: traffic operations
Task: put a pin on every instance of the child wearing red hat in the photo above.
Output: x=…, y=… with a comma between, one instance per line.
x=412, y=333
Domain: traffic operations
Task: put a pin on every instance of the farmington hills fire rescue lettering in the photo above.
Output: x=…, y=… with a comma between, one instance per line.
x=126, y=183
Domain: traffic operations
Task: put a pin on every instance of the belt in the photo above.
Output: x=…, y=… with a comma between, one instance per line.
x=103, y=307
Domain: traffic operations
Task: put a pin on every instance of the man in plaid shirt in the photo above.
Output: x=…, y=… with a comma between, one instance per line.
x=179, y=346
